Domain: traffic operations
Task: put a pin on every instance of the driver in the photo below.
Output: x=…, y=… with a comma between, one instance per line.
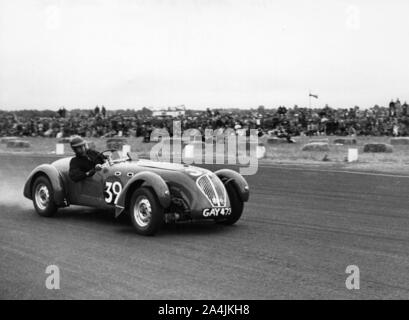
x=86, y=161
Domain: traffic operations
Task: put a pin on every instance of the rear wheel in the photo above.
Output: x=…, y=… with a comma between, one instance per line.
x=236, y=205
x=43, y=197
x=146, y=212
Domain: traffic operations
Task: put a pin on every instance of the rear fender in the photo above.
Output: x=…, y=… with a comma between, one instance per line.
x=241, y=185
x=148, y=179
x=55, y=179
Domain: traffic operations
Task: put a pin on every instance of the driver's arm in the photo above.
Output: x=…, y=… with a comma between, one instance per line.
x=75, y=172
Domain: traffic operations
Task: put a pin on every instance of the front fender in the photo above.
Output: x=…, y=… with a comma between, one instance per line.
x=230, y=176
x=53, y=175
x=149, y=179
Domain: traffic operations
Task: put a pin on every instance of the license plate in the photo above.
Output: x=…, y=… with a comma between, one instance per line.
x=216, y=212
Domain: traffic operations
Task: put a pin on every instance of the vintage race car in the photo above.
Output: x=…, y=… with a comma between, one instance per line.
x=151, y=192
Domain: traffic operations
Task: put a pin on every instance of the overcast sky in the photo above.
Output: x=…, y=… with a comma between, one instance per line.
x=202, y=53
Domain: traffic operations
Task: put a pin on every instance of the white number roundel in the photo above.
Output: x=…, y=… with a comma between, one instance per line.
x=112, y=191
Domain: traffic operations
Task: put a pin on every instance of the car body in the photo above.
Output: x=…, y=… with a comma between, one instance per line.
x=145, y=189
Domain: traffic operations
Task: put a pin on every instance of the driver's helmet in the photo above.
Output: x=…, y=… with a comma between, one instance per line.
x=77, y=141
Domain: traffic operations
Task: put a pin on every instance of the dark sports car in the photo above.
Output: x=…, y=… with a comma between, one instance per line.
x=152, y=193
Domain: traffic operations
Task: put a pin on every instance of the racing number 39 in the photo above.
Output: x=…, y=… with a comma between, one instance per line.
x=112, y=191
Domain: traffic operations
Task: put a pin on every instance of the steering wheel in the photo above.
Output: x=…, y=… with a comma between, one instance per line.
x=108, y=150
x=109, y=159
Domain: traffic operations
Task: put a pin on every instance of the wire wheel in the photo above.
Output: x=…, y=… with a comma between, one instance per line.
x=146, y=213
x=142, y=211
x=42, y=196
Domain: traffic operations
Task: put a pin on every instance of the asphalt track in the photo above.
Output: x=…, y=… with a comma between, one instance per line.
x=299, y=232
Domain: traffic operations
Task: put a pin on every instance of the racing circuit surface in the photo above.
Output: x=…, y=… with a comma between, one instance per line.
x=299, y=232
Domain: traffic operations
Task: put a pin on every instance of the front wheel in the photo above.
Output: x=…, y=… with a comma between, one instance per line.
x=43, y=197
x=146, y=212
x=236, y=205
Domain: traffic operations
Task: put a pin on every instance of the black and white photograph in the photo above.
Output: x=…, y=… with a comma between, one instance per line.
x=212, y=151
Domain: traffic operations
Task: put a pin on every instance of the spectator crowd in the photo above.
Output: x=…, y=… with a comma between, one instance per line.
x=99, y=122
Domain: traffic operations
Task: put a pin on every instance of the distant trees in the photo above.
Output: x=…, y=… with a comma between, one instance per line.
x=62, y=112
x=28, y=114
x=145, y=112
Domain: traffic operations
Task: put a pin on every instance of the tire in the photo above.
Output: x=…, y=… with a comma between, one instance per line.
x=146, y=213
x=43, y=197
x=236, y=205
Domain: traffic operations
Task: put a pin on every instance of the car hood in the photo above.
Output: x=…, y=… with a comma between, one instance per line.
x=160, y=165
x=166, y=166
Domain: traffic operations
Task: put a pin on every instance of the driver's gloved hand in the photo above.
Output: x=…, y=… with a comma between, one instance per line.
x=90, y=173
x=98, y=167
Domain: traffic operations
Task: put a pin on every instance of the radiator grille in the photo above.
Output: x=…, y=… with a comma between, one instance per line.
x=213, y=189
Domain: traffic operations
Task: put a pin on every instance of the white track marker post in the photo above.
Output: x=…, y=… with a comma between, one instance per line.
x=261, y=151
x=59, y=148
x=126, y=148
x=189, y=154
x=352, y=155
